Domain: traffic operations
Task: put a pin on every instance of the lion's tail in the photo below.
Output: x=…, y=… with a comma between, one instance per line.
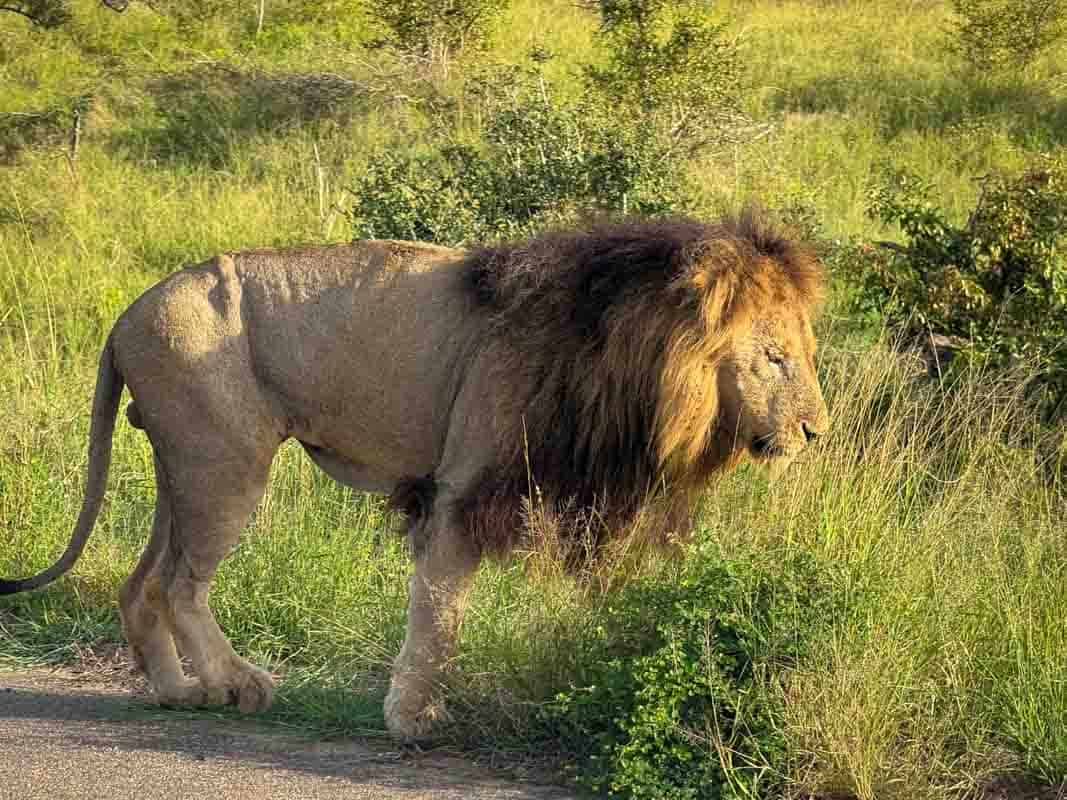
x=109, y=385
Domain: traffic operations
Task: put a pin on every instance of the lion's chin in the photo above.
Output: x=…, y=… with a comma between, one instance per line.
x=769, y=454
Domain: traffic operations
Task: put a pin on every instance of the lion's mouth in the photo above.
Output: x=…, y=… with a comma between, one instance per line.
x=766, y=446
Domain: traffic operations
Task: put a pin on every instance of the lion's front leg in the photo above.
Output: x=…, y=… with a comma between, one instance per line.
x=437, y=594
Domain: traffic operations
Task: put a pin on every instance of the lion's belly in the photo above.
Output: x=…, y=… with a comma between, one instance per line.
x=354, y=474
x=371, y=448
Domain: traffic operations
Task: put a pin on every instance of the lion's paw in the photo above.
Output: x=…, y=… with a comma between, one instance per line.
x=251, y=689
x=188, y=692
x=411, y=715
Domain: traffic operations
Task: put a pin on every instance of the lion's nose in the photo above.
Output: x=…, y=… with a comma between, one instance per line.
x=809, y=432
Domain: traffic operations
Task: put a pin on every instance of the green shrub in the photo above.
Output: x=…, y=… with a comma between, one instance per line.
x=43, y=13
x=688, y=702
x=1001, y=34
x=541, y=161
x=669, y=85
x=669, y=64
x=436, y=28
x=997, y=285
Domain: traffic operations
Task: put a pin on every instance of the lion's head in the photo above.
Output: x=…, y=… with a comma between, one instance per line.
x=635, y=360
x=770, y=401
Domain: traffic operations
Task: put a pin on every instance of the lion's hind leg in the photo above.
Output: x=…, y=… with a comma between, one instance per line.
x=144, y=615
x=210, y=511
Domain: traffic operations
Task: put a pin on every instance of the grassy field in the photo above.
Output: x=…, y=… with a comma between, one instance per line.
x=934, y=507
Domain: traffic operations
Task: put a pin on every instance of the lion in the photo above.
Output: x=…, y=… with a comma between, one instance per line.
x=607, y=368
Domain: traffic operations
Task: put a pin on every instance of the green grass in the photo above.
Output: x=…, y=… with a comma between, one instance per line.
x=945, y=665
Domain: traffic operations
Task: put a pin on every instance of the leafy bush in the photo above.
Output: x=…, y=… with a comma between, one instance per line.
x=689, y=703
x=541, y=161
x=671, y=65
x=997, y=285
x=669, y=86
x=43, y=13
x=999, y=34
x=436, y=28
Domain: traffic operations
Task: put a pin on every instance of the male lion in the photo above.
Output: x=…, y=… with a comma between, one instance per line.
x=608, y=369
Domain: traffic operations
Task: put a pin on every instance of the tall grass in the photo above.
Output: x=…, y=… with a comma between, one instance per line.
x=946, y=516
x=938, y=510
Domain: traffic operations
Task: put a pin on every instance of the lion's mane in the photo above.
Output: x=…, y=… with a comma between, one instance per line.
x=605, y=342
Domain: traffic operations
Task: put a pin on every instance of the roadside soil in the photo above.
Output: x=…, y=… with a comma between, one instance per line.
x=85, y=731
x=68, y=734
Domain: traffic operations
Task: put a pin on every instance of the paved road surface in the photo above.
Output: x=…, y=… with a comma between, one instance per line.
x=63, y=737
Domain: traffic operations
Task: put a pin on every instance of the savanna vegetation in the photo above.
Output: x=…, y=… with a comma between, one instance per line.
x=888, y=619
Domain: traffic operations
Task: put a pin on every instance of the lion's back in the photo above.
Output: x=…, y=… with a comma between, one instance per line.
x=322, y=288
x=356, y=347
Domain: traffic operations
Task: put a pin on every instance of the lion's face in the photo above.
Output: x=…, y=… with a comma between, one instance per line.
x=771, y=403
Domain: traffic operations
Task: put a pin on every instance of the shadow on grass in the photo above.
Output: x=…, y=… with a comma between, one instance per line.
x=58, y=624
x=204, y=113
x=1032, y=115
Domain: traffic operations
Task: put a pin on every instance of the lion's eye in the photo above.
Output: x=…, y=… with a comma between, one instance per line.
x=776, y=358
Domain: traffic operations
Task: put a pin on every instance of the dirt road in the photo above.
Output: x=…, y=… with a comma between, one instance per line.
x=64, y=737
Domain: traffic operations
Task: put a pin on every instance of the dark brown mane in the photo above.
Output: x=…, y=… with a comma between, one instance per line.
x=605, y=341
x=585, y=271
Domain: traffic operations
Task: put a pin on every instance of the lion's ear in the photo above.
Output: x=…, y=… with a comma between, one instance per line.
x=721, y=277
x=712, y=260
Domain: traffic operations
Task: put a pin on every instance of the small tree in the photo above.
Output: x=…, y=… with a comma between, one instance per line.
x=997, y=285
x=436, y=29
x=670, y=65
x=993, y=35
